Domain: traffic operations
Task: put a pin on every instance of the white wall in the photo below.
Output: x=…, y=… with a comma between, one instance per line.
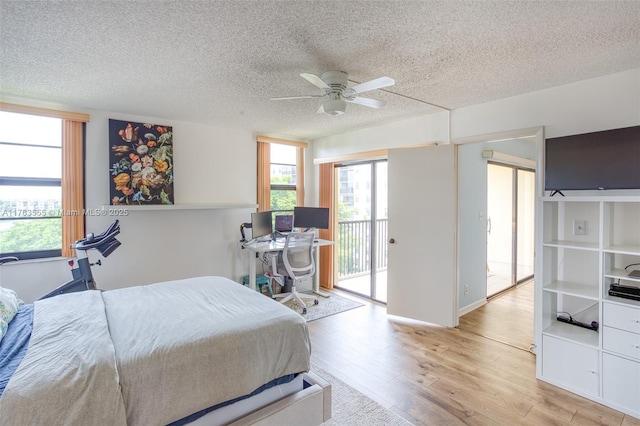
x=602, y=103
x=413, y=131
x=212, y=165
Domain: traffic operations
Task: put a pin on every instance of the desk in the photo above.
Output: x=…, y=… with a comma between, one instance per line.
x=277, y=246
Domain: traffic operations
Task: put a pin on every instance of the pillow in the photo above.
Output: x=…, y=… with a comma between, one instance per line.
x=9, y=304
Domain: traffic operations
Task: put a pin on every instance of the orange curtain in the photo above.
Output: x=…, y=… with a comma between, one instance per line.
x=72, y=185
x=264, y=176
x=326, y=199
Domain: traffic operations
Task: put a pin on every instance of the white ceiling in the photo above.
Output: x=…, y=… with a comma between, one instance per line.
x=220, y=62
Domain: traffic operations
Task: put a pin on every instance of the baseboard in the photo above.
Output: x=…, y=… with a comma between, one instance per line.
x=471, y=307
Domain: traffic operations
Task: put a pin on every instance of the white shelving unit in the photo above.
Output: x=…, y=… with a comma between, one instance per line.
x=585, y=245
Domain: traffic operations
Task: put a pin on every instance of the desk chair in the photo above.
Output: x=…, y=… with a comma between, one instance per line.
x=297, y=263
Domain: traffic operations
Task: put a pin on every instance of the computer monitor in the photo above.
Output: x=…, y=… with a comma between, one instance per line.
x=261, y=224
x=284, y=222
x=311, y=217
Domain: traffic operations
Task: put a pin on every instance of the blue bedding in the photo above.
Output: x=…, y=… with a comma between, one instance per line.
x=13, y=346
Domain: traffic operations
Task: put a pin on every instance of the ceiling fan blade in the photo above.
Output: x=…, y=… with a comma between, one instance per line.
x=315, y=80
x=284, y=98
x=378, y=83
x=320, y=110
x=373, y=103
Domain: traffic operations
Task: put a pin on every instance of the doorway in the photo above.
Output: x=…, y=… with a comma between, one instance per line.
x=510, y=226
x=361, y=234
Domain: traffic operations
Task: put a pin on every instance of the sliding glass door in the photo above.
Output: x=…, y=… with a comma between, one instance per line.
x=361, y=235
x=510, y=226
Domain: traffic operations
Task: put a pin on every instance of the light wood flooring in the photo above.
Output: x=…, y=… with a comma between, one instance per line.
x=506, y=318
x=432, y=375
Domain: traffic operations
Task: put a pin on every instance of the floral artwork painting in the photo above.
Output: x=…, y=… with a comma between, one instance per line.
x=141, y=159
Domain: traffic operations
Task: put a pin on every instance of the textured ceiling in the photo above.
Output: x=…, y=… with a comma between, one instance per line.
x=220, y=62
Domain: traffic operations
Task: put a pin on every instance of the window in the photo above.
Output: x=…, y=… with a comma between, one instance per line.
x=283, y=177
x=280, y=174
x=41, y=181
x=30, y=185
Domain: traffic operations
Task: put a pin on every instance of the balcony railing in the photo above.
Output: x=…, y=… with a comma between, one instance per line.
x=354, y=247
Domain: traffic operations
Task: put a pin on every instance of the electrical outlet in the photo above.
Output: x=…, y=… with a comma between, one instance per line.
x=579, y=227
x=466, y=289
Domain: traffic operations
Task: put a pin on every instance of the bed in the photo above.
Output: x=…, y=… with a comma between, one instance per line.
x=169, y=353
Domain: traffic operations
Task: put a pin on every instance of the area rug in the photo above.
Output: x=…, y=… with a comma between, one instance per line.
x=326, y=306
x=351, y=408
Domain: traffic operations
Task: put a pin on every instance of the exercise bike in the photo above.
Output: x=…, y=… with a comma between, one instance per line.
x=105, y=243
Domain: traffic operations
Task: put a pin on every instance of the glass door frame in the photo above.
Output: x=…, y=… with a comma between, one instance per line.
x=373, y=249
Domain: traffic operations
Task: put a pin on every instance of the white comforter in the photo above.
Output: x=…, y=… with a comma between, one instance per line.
x=151, y=355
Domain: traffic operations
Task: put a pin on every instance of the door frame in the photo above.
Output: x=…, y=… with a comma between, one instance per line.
x=374, y=216
x=537, y=133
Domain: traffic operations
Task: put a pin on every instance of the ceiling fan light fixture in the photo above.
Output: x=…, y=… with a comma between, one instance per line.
x=334, y=84
x=334, y=107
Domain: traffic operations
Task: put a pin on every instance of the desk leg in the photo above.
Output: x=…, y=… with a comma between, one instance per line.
x=252, y=270
x=316, y=277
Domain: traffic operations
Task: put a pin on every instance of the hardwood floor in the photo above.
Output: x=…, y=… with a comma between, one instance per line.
x=432, y=375
x=507, y=318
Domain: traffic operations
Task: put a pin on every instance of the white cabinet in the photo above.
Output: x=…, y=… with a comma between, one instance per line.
x=570, y=365
x=622, y=317
x=621, y=393
x=621, y=342
x=586, y=244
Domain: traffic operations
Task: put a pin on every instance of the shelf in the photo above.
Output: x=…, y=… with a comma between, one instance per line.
x=623, y=249
x=573, y=289
x=572, y=245
x=621, y=274
x=589, y=263
x=213, y=206
x=573, y=333
x=622, y=301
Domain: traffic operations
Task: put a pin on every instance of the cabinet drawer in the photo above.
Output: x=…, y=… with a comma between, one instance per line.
x=622, y=317
x=621, y=382
x=622, y=342
x=569, y=364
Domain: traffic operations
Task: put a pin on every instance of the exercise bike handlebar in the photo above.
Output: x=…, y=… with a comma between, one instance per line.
x=105, y=243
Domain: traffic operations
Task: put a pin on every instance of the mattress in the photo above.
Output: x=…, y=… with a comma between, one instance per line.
x=152, y=354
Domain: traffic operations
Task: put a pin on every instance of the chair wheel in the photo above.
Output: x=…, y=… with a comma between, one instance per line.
x=315, y=301
x=304, y=311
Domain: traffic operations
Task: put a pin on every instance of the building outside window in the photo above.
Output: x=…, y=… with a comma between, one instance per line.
x=30, y=185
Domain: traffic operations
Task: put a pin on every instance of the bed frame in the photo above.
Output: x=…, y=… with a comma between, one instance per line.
x=310, y=405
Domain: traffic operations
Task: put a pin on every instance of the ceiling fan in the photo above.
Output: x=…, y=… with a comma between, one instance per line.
x=337, y=92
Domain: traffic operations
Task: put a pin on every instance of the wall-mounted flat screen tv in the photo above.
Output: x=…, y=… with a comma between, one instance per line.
x=601, y=160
